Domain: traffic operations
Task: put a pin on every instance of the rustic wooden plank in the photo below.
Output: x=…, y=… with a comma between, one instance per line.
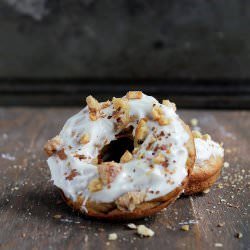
x=28, y=200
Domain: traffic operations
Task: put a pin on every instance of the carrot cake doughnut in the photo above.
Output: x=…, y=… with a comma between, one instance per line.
x=122, y=159
x=208, y=164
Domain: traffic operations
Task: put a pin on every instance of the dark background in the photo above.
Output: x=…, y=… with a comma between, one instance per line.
x=195, y=52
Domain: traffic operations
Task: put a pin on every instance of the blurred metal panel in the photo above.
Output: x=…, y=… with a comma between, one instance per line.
x=133, y=38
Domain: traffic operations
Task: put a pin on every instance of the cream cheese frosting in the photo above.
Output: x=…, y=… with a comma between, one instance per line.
x=207, y=148
x=141, y=173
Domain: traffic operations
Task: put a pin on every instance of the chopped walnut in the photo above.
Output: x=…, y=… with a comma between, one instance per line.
x=108, y=171
x=194, y=122
x=159, y=116
x=141, y=131
x=129, y=200
x=120, y=103
x=105, y=104
x=185, y=228
x=196, y=134
x=164, y=121
x=134, y=95
x=160, y=158
x=95, y=185
x=52, y=145
x=145, y=231
x=113, y=236
x=126, y=157
x=167, y=103
x=121, y=113
x=94, y=107
x=157, y=112
x=131, y=226
x=84, y=139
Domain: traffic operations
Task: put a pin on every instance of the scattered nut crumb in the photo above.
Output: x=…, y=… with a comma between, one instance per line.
x=113, y=236
x=185, y=228
x=226, y=164
x=206, y=191
x=221, y=224
x=131, y=226
x=126, y=157
x=218, y=244
x=145, y=231
x=194, y=122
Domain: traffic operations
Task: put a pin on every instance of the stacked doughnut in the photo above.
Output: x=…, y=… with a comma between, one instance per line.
x=130, y=157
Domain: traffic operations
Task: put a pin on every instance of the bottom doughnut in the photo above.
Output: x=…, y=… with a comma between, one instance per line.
x=109, y=211
x=207, y=166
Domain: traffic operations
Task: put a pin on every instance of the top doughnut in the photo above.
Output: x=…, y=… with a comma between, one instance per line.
x=83, y=157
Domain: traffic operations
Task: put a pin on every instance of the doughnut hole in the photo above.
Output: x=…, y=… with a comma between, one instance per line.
x=116, y=148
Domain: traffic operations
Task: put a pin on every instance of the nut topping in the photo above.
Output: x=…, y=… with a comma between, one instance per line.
x=134, y=95
x=95, y=185
x=127, y=156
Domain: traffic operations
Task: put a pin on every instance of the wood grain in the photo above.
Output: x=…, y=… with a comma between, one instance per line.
x=29, y=202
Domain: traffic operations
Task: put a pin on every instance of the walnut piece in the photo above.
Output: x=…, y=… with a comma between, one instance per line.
x=164, y=121
x=129, y=200
x=167, y=103
x=134, y=95
x=159, y=116
x=126, y=157
x=145, y=231
x=95, y=185
x=141, y=131
x=120, y=103
x=121, y=114
x=52, y=145
x=185, y=228
x=94, y=108
x=113, y=236
x=105, y=104
x=108, y=171
x=84, y=139
x=160, y=158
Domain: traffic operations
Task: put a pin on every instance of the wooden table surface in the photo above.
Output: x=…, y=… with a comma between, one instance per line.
x=29, y=202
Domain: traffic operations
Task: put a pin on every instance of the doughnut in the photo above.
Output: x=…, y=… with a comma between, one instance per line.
x=208, y=164
x=122, y=159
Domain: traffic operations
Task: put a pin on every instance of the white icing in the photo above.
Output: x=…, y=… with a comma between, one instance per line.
x=135, y=175
x=207, y=148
